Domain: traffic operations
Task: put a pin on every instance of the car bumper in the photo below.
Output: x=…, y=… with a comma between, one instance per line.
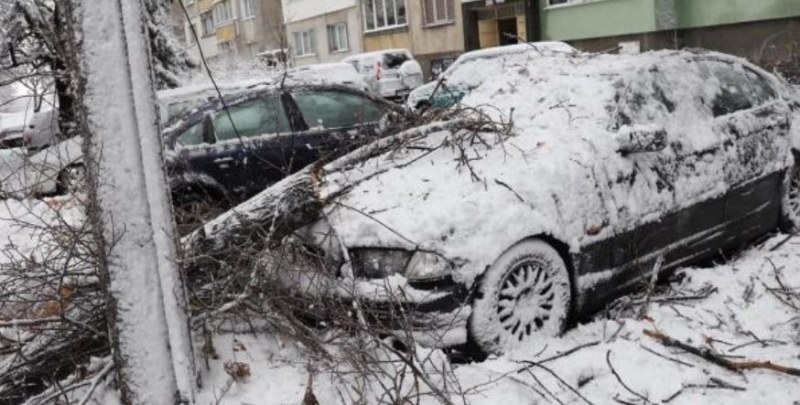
x=434, y=313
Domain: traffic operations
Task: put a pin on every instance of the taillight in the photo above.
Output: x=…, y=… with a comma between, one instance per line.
x=27, y=137
x=378, y=70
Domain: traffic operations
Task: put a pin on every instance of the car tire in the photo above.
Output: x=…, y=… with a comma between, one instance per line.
x=790, y=206
x=525, y=295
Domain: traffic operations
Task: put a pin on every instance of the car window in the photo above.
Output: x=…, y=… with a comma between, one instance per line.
x=252, y=118
x=333, y=109
x=761, y=91
x=394, y=60
x=192, y=136
x=643, y=100
x=734, y=90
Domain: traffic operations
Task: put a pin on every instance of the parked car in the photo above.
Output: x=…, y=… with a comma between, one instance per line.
x=468, y=72
x=614, y=163
x=231, y=154
x=273, y=134
x=391, y=73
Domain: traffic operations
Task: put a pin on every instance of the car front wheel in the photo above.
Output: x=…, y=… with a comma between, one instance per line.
x=524, y=295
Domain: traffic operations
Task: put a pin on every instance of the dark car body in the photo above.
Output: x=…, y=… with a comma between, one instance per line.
x=236, y=147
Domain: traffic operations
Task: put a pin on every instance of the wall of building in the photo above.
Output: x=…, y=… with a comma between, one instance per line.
x=695, y=14
x=429, y=43
x=592, y=19
x=320, y=25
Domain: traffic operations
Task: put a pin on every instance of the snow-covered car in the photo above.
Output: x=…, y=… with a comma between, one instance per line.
x=468, y=72
x=616, y=163
x=390, y=73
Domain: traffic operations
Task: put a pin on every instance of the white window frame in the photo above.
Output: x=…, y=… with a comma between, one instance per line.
x=223, y=13
x=338, y=37
x=305, y=43
x=207, y=30
x=248, y=9
x=439, y=16
x=566, y=3
x=385, y=17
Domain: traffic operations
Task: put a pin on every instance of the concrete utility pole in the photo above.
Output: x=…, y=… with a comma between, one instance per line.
x=129, y=206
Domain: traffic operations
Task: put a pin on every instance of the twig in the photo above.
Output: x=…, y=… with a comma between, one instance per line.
x=651, y=287
x=510, y=189
x=96, y=380
x=619, y=379
x=735, y=366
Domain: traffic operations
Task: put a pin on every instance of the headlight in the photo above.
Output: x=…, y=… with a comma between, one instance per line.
x=379, y=263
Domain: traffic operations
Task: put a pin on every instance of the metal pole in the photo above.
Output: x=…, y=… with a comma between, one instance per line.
x=129, y=206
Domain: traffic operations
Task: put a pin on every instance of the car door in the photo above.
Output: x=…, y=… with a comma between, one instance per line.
x=336, y=121
x=255, y=137
x=666, y=199
x=755, y=121
x=228, y=147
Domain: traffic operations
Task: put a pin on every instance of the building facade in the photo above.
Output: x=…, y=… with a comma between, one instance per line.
x=322, y=31
x=233, y=28
x=766, y=32
x=431, y=29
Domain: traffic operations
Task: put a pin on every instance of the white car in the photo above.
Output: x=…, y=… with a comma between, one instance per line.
x=614, y=163
x=390, y=73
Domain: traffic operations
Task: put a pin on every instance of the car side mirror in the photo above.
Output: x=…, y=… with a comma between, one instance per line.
x=641, y=138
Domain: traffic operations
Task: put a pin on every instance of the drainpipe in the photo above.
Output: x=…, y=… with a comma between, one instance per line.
x=533, y=20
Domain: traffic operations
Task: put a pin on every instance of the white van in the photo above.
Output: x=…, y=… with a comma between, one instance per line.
x=390, y=73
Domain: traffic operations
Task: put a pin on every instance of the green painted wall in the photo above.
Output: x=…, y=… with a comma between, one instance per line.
x=703, y=13
x=605, y=18
x=597, y=19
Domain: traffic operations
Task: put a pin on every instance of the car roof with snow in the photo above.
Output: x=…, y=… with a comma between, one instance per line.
x=546, y=47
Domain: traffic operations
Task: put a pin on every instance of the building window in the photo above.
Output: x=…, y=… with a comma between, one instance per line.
x=207, y=23
x=305, y=43
x=439, y=11
x=248, y=8
x=383, y=14
x=223, y=12
x=337, y=38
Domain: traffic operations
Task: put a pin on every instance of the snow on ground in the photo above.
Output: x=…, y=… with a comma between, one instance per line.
x=743, y=317
x=734, y=309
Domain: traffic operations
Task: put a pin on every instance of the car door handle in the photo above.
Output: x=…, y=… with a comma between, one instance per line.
x=223, y=160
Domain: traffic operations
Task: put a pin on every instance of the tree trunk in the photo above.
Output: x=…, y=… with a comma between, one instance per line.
x=128, y=206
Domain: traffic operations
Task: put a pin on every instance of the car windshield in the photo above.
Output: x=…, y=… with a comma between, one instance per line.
x=394, y=60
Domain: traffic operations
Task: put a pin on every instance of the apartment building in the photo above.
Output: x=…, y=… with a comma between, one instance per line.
x=322, y=31
x=765, y=31
x=233, y=28
x=431, y=29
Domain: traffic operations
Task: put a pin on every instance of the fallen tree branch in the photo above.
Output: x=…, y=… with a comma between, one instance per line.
x=735, y=366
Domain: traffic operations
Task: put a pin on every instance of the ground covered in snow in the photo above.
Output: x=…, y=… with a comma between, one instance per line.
x=745, y=309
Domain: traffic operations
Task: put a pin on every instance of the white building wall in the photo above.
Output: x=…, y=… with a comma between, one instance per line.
x=298, y=10
x=319, y=21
